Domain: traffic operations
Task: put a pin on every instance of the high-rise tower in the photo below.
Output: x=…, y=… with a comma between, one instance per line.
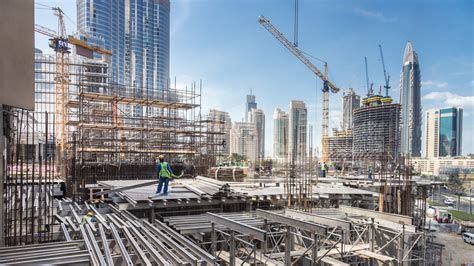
x=257, y=116
x=280, y=134
x=443, y=132
x=350, y=102
x=138, y=34
x=249, y=105
x=298, y=120
x=410, y=100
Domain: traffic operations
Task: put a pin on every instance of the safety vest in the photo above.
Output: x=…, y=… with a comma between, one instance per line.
x=84, y=219
x=164, y=171
x=323, y=167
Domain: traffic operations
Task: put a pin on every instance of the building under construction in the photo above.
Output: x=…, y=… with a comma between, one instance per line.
x=376, y=130
x=340, y=148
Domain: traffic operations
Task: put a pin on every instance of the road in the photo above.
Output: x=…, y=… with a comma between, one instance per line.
x=463, y=205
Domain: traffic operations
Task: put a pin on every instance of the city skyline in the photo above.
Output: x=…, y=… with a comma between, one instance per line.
x=277, y=77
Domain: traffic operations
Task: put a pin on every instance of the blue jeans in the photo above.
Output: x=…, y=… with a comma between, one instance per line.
x=160, y=185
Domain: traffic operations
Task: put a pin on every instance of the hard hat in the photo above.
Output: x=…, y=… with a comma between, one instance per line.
x=89, y=213
x=161, y=157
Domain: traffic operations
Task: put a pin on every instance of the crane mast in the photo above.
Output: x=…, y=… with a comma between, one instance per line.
x=385, y=74
x=61, y=84
x=327, y=84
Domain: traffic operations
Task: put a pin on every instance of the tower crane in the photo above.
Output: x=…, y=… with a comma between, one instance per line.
x=327, y=84
x=385, y=74
x=59, y=41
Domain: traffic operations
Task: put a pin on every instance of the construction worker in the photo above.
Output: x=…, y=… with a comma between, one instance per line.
x=89, y=216
x=164, y=172
x=323, y=169
x=370, y=172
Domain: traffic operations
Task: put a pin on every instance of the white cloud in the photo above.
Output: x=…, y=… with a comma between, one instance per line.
x=375, y=15
x=433, y=84
x=450, y=99
x=181, y=12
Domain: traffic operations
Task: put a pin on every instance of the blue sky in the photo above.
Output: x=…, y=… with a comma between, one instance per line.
x=221, y=42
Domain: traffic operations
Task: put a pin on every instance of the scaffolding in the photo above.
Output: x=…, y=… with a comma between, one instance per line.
x=340, y=148
x=30, y=182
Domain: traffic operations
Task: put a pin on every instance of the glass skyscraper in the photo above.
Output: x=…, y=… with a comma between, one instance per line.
x=297, y=139
x=443, y=132
x=410, y=100
x=138, y=34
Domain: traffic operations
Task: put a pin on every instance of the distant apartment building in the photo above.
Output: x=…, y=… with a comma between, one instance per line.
x=297, y=134
x=220, y=122
x=443, y=132
x=250, y=104
x=350, y=102
x=410, y=100
x=138, y=34
x=443, y=165
x=280, y=134
x=243, y=140
x=257, y=116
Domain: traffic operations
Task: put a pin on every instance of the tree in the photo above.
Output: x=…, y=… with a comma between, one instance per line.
x=455, y=184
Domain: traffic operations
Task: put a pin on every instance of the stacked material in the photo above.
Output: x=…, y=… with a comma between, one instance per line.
x=234, y=173
x=118, y=238
x=198, y=224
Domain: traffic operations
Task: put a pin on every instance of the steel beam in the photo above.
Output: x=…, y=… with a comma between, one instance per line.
x=319, y=219
x=123, y=250
x=93, y=241
x=238, y=227
x=178, y=248
x=127, y=188
x=395, y=218
x=205, y=256
x=153, y=251
x=89, y=246
x=309, y=226
x=105, y=245
x=138, y=251
x=65, y=232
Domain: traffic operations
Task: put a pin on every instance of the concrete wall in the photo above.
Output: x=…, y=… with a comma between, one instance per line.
x=17, y=83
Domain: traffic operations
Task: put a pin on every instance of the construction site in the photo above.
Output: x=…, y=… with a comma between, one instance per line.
x=91, y=146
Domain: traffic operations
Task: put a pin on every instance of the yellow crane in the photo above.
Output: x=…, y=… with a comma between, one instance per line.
x=59, y=41
x=327, y=84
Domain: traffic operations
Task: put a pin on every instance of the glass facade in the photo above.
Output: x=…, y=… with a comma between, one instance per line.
x=450, y=132
x=410, y=100
x=138, y=34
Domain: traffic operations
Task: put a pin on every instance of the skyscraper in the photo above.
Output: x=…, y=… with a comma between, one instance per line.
x=257, y=116
x=410, y=100
x=350, y=102
x=443, y=132
x=280, y=134
x=138, y=34
x=298, y=119
x=243, y=140
x=249, y=105
x=221, y=122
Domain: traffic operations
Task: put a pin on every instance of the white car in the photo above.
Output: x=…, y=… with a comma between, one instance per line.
x=448, y=202
x=468, y=238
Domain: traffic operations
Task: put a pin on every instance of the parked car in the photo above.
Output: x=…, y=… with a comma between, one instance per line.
x=468, y=238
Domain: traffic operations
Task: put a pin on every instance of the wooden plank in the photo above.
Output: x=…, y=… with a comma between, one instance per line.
x=332, y=261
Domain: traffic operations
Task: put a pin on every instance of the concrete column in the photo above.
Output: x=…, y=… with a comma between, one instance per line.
x=2, y=177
